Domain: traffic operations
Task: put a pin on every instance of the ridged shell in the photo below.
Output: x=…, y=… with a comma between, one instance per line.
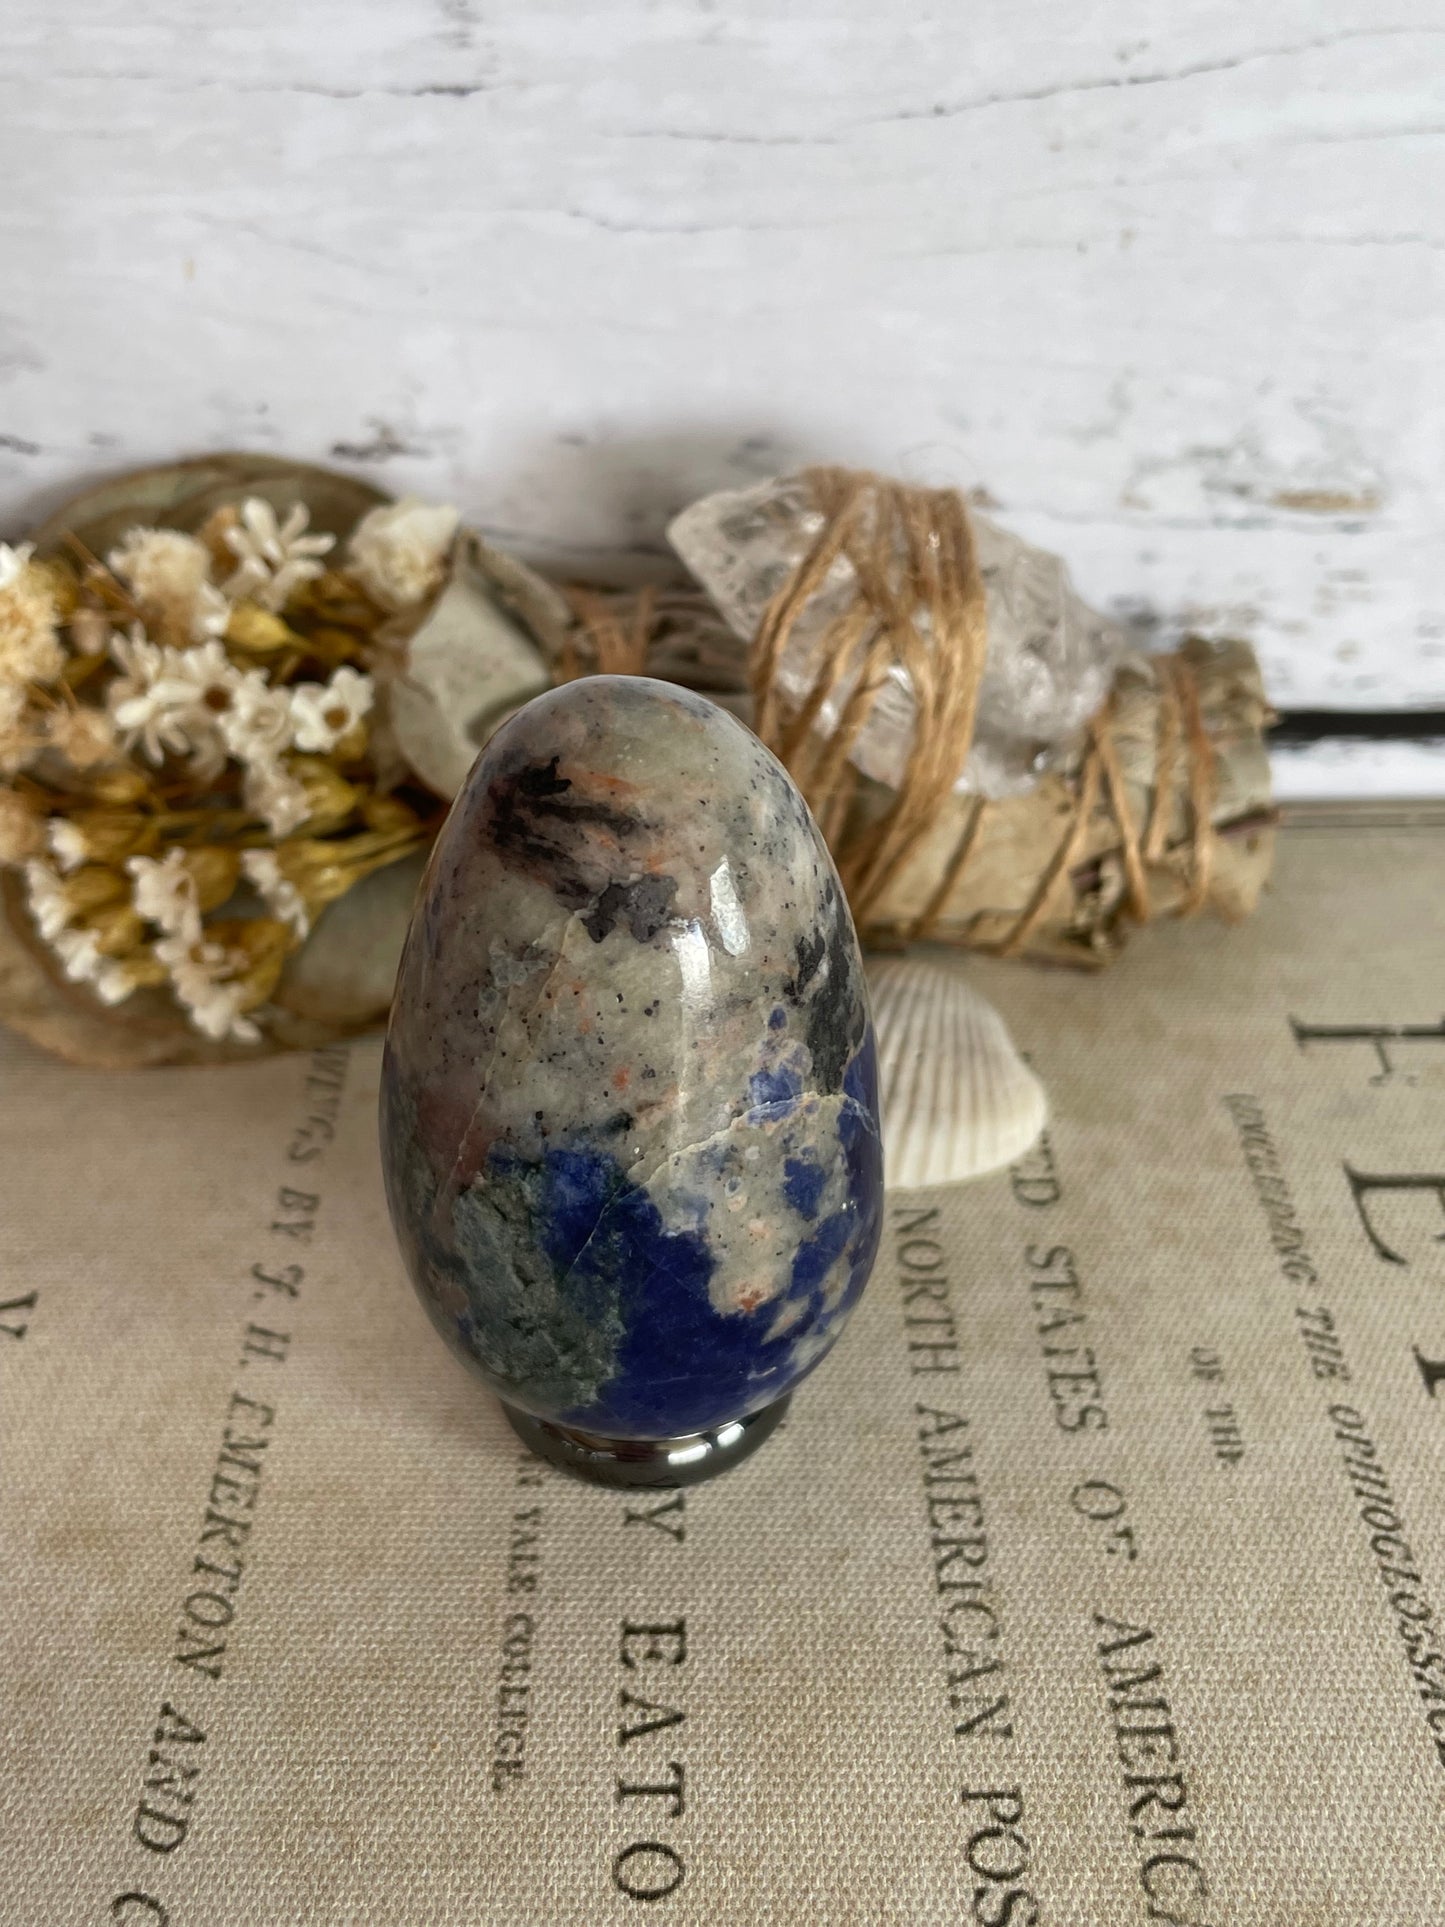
x=957, y=1098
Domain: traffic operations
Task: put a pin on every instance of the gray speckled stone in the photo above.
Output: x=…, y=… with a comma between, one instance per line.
x=629, y=1110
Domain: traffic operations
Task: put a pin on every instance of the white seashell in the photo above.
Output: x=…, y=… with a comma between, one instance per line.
x=957, y=1098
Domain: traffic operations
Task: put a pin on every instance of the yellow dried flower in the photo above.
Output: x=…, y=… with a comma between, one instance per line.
x=259, y=632
x=234, y=969
x=121, y=784
x=95, y=885
x=146, y=970
x=320, y=871
x=118, y=930
x=264, y=943
x=22, y=828
x=352, y=747
x=334, y=645
x=217, y=871
x=334, y=598
x=330, y=799
x=389, y=814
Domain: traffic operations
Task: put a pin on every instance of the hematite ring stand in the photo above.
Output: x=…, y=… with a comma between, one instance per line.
x=648, y=1462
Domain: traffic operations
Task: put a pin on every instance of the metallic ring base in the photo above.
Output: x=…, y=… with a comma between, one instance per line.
x=648, y=1462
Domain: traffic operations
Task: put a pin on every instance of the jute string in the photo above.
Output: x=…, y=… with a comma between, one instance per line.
x=920, y=606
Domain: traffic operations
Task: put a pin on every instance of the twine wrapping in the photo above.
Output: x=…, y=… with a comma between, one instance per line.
x=920, y=607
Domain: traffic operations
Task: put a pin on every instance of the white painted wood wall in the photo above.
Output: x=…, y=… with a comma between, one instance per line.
x=1166, y=281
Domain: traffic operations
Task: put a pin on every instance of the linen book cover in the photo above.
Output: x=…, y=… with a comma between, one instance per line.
x=1096, y=1577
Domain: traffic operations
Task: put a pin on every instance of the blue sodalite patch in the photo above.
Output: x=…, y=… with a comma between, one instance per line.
x=804, y=1180
x=574, y=1273
x=775, y=1089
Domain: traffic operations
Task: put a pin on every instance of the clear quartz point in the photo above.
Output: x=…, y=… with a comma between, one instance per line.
x=1051, y=658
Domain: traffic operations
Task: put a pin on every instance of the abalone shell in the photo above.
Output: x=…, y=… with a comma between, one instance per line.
x=629, y=1103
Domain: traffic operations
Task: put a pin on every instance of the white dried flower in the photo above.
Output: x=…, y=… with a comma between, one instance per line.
x=398, y=552
x=149, y=721
x=160, y=565
x=281, y=897
x=48, y=899
x=164, y=893
x=212, y=614
x=67, y=845
x=256, y=729
x=78, y=950
x=83, y=736
x=138, y=659
x=256, y=724
x=322, y=713
x=22, y=829
x=202, y=684
x=270, y=791
x=202, y=972
x=201, y=977
x=207, y=672
x=140, y=662
x=174, y=700
x=114, y=981
x=168, y=573
x=274, y=558
x=85, y=963
x=30, y=648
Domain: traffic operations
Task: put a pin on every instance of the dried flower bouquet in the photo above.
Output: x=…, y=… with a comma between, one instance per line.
x=194, y=755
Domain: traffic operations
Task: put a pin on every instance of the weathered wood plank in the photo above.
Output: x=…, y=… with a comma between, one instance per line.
x=1168, y=286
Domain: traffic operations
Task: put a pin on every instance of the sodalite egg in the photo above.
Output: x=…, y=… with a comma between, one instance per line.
x=629, y=1108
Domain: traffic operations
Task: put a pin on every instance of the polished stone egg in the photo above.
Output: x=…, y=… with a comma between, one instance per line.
x=629, y=1105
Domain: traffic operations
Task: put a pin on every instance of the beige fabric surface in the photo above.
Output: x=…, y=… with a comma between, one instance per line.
x=389, y=1531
